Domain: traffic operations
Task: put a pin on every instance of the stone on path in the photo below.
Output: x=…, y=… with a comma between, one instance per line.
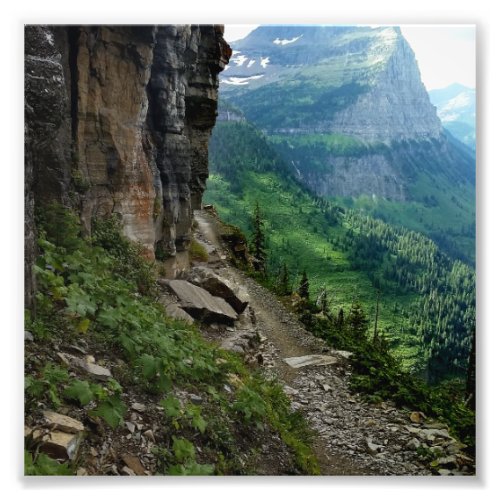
x=138, y=407
x=199, y=303
x=310, y=360
x=234, y=295
x=373, y=448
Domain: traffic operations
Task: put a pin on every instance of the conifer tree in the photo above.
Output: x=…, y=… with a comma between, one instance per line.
x=322, y=301
x=258, y=241
x=375, y=331
x=357, y=322
x=303, y=290
x=283, y=280
x=470, y=386
x=339, y=321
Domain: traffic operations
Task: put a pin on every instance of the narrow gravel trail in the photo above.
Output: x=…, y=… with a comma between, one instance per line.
x=353, y=436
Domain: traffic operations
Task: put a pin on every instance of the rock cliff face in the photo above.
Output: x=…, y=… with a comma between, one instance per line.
x=360, y=82
x=117, y=122
x=396, y=106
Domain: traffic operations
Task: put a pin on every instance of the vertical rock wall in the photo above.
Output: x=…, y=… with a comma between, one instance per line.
x=47, y=135
x=117, y=121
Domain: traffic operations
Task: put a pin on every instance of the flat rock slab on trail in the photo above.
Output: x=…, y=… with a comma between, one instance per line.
x=199, y=303
x=310, y=360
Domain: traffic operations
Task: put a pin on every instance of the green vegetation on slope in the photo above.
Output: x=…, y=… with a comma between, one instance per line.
x=310, y=102
x=427, y=300
x=380, y=376
x=439, y=202
x=102, y=289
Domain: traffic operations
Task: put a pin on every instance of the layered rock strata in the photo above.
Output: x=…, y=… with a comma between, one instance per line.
x=118, y=120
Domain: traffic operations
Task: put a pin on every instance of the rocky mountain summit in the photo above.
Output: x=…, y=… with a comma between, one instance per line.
x=347, y=106
x=367, y=78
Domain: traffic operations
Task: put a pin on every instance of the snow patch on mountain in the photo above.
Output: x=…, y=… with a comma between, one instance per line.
x=278, y=41
x=239, y=61
x=236, y=80
x=454, y=107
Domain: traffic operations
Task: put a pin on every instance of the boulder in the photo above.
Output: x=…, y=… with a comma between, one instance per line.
x=448, y=462
x=138, y=407
x=200, y=304
x=58, y=445
x=343, y=354
x=373, y=448
x=417, y=417
x=444, y=472
x=414, y=444
x=431, y=434
x=63, y=423
x=127, y=471
x=87, y=365
x=234, y=295
x=134, y=464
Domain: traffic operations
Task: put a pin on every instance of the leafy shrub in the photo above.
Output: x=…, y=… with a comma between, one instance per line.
x=250, y=406
x=111, y=410
x=47, y=385
x=43, y=465
x=128, y=256
x=79, y=391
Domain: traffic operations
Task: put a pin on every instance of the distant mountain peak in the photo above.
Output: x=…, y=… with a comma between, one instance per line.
x=359, y=81
x=456, y=107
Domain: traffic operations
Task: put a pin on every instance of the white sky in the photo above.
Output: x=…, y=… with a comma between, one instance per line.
x=445, y=53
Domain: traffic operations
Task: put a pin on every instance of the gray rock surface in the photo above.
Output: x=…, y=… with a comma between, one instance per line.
x=310, y=360
x=63, y=423
x=57, y=444
x=175, y=311
x=233, y=294
x=200, y=304
x=86, y=365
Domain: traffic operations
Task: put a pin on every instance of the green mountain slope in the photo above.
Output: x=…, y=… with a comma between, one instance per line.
x=434, y=200
x=427, y=300
x=345, y=106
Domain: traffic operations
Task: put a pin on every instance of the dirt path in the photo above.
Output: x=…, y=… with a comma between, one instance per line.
x=353, y=437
